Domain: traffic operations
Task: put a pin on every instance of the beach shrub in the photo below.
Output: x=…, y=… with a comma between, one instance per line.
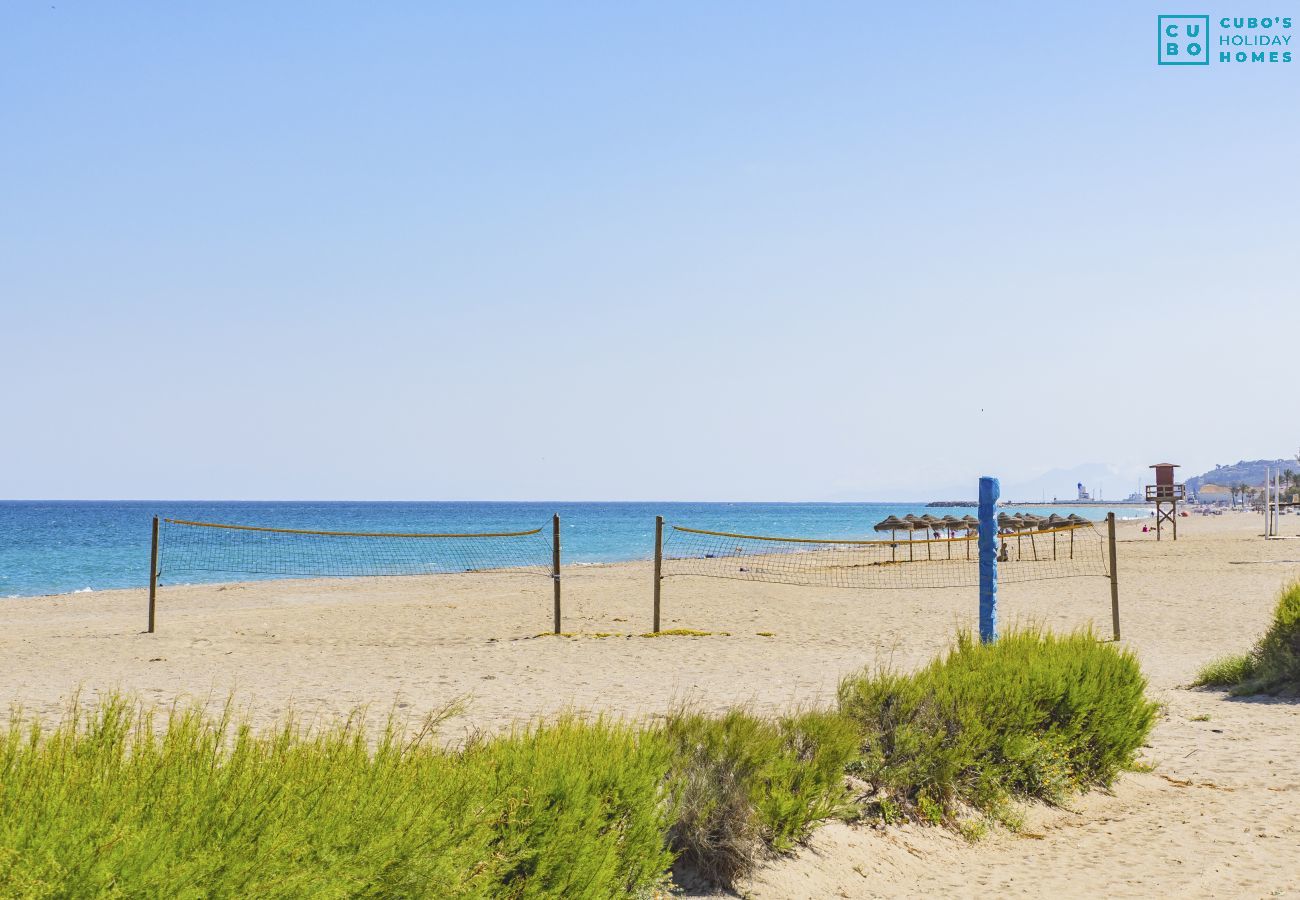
x=107, y=805
x=744, y=785
x=1226, y=671
x=110, y=801
x=123, y=801
x=1277, y=658
x=1032, y=716
x=1273, y=666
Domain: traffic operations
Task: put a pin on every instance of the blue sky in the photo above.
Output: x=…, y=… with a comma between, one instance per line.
x=634, y=251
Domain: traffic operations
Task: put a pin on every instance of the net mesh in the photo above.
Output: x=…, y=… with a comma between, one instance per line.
x=208, y=549
x=931, y=562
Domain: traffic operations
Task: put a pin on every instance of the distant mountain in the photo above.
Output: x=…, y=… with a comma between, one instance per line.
x=1249, y=472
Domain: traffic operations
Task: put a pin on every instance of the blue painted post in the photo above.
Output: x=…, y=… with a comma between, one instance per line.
x=990, y=490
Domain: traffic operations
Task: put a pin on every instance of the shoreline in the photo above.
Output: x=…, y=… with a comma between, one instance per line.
x=615, y=596
x=116, y=558
x=325, y=647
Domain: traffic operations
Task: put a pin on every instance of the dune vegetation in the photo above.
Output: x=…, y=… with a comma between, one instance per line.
x=1033, y=716
x=120, y=799
x=1273, y=665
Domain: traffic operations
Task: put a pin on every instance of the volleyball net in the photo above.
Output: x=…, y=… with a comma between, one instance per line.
x=210, y=548
x=1025, y=553
x=185, y=551
x=1023, y=548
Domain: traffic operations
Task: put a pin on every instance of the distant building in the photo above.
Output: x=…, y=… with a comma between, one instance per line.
x=1083, y=492
x=1214, y=493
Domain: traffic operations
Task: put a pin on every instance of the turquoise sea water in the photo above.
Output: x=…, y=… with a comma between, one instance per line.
x=49, y=547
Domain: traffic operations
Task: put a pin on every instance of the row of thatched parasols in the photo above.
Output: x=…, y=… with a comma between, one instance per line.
x=1031, y=522
x=925, y=524
x=1019, y=523
x=1022, y=524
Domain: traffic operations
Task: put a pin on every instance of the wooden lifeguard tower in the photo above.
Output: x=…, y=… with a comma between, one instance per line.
x=1165, y=495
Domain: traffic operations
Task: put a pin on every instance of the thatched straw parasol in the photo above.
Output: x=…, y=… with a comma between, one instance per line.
x=951, y=524
x=931, y=524
x=1052, y=523
x=1032, y=524
x=914, y=524
x=1012, y=522
x=1077, y=521
x=892, y=524
x=972, y=526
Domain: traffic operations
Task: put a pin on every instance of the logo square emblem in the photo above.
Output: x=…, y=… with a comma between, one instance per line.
x=1183, y=40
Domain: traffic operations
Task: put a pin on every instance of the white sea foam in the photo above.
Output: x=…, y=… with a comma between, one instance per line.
x=85, y=590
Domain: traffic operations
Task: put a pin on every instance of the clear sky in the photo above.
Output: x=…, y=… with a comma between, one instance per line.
x=784, y=251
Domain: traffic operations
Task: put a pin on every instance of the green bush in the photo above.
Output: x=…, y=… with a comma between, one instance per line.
x=1278, y=655
x=107, y=802
x=1032, y=716
x=113, y=803
x=103, y=805
x=1226, y=671
x=742, y=785
x=1273, y=667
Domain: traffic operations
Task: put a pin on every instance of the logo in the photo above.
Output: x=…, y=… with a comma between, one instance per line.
x=1186, y=40
x=1183, y=40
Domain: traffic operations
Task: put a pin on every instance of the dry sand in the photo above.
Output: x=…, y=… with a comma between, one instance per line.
x=1219, y=817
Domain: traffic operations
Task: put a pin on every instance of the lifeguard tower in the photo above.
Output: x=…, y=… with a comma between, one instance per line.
x=1165, y=495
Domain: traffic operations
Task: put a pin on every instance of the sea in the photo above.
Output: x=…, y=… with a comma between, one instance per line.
x=57, y=547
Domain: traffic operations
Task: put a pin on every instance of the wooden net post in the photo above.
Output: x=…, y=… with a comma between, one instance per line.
x=153, y=573
x=659, y=565
x=555, y=566
x=1114, y=576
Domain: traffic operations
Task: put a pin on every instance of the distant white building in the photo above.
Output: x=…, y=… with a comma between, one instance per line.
x=1083, y=492
x=1214, y=493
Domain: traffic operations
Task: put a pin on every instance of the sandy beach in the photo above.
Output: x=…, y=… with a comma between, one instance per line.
x=1218, y=816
